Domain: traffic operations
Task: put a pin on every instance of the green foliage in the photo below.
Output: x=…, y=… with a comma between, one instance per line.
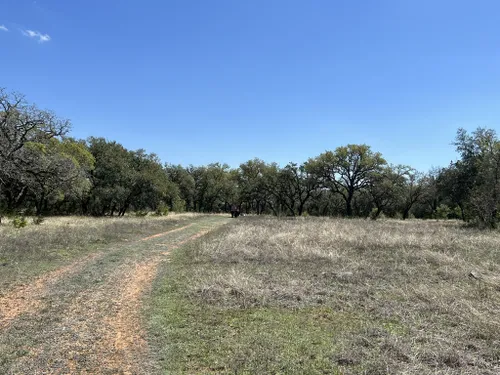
x=141, y=213
x=162, y=210
x=178, y=205
x=442, y=212
x=347, y=170
x=19, y=222
x=374, y=214
x=479, y=170
x=45, y=172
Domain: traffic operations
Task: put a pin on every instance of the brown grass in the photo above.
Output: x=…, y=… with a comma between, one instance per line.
x=37, y=249
x=27, y=298
x=427, y=294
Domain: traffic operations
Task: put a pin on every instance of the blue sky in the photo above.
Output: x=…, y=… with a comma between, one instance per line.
x=283, y=80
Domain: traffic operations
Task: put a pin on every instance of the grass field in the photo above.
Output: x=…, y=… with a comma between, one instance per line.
x=192, y=294
x=35, y=249
x=330, y=296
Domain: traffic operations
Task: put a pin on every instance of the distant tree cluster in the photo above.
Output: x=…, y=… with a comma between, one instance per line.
x=43, y=171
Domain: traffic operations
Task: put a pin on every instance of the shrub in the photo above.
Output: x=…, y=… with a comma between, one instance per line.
x=141, y=213
x=19, y=222
x=178, y=205
x=37, y=220
x=442, y=212
x=161, y=210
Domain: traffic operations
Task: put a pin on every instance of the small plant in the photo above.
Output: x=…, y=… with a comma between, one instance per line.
x=141, y=213
x=162, y=210
x=37, y=220
x=19, y=222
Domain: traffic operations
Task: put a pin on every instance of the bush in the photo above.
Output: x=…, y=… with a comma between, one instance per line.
x=162, y=210
x=19, y=222
x=179, y=205
x=37, y=220
x=373, y=214
x=141, y=213
x=442, y=212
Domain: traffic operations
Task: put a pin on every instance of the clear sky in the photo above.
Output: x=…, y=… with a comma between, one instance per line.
x=199, y=81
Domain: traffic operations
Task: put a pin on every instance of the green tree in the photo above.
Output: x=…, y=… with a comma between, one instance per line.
x=22, y=125
x=412, y=188
x=56, y=171
x=251, y=185
x=347, y=170
x=183, y=179
x=112, y=179
x=480, y=159
x=383, y=188
x=296, y=187
x=215, y=186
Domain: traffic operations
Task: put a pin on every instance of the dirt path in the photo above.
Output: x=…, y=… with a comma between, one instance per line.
x=27, y=298
x=86, y=318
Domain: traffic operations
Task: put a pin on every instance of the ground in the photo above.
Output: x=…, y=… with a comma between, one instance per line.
x=207, y=294
x=332, y=296
x=87, y=315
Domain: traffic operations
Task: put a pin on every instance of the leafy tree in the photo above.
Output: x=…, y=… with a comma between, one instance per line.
x=296, y=186
x=383, y=188
x=151, y=187
x=412, y=189
x=347, y=170
x=479, y=167
x=184, y=180
x=22, y=124
x=56, y=171
x=215, y=186
x=252, y=185
x=112, y=179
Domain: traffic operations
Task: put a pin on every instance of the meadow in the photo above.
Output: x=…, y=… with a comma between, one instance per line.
x=31, y=251
x=253, y=295
x=331, y=296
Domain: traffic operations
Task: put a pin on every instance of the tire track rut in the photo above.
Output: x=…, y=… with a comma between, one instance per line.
x=91, y=324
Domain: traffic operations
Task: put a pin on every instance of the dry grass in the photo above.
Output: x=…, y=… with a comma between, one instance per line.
x=393, y=297
x=87, y=318
x=35, y=249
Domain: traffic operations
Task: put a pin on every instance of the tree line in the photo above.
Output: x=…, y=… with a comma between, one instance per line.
x=44, y=171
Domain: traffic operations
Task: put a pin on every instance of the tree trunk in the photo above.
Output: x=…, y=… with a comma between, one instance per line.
x=348, y=205
x=377, y=213
x=39, y=205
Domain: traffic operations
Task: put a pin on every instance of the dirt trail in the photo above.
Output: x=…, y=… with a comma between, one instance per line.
x=95, y=329
x=123, y=335
x=27, y=298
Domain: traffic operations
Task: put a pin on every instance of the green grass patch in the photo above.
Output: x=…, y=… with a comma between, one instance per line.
x=200, y=339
